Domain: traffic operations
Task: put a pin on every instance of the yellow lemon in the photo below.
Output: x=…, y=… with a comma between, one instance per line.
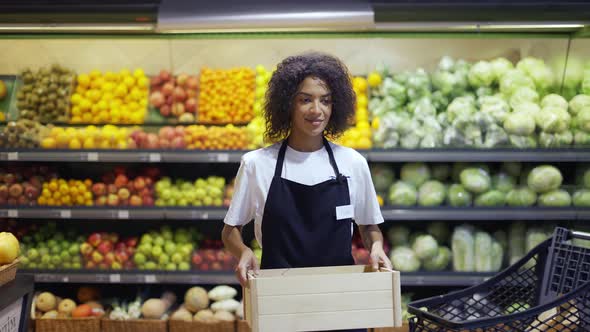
x=102, y=105
x=124, y=72
x=363, y=125
x=108, y=87
x=97, y=83
x=374, y=79
x=361, y=101
x=121, y=90
x=48, y=143
x=76, y=98
x=87, y=117
x=362, y=114
x=89, y=143
x=375, y=123
x=143, y=82
x=83, y=80
x=136, y=94
x=129, y=81
x=76, y=119
x=138, y=73
x=85, y=105
x=360, y=83
x=95, y=73
x=364, y=143
x=74, y=144
x=109, y=76
x=76, y=111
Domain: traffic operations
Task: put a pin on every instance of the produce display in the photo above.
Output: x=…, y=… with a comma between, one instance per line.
x=175, y=96
x=464, y=248
x=108, y=252
x=166, y=250
x=200, y=305
x=124, y=188
x=359, y=136
x=193, y=137
x=480, y=185
x=226, y=96
x=22, y=185
x=110, y=97
x=88, y=138
x=47, y=247
x=44, y=94
x=49, y=306
x=22, y=134
x=59, y=192
x=202, y=192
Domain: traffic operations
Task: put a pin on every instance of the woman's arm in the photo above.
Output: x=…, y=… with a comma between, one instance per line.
x=232, y=239
x=373, y=241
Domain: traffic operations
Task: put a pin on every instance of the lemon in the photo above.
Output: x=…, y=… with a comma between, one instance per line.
x=97, y=83
x=76, y=111
x=363, y=125
x=83, y=80
x=89, y=143
x=143, y=82
x=76, y=98
x=374, y=79
x=362, y=115
x=375, y=123
x=129, y=81
x=87, y=117
x=108, y=87
x=85, y=105
x=121, y=90
x=48, y=143
x=109, y=76
x=95, y=74
x=135, y=93
x=364, y=143
x=361, y=101
x=76, y=119
x=138, y=73
x=124, y=72
x=360, y=84
x=102, y=105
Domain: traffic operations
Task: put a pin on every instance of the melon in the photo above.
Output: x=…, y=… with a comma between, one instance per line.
x=196, y=299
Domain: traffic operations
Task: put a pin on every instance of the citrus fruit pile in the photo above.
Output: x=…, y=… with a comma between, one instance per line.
x=59, y=192
x=228, y=137
x=90, y=138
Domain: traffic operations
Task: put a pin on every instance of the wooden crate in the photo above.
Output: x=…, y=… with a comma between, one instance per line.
x=134, y=325
x=403, y=328
x=324, y=298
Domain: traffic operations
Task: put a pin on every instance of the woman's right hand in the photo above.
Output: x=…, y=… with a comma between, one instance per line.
x=248, y=262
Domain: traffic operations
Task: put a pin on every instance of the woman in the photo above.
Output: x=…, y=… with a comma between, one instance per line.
x=303, y=192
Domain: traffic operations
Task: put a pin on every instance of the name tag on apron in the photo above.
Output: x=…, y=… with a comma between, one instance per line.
x=344, y=212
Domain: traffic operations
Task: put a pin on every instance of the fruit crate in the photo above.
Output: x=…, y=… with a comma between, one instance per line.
x=242, y=326
x=322, y=298
x=8, y=272
x=547, y=290
x=403, y=328
x=182, y=326
x=91, y=324
x=133, y=325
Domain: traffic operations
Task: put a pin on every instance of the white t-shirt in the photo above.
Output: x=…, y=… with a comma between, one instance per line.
x=257, y=170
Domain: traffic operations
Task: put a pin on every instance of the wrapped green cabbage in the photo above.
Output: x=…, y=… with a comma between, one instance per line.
x=552, y=120
x=514, y=79
x=497, y=255
x=458, y=196
x=523, y=142
x=404, y=259
x=440, y=261
x=517, y=246
x=544, y=178
x=503, y=182
x=490, y=199
x=383, y=176
x=398, y=236
x=431, y=193
x=520, y=124
x=425, y=246
x=523, y=95
x=476, y=180
x=500, y=66
x=556, y=140
x=554, y=100
x=555, y=198
x=439, y=230
x=581, y=138
x=534, y=237
x=415, y=173
x=481, y=74
x=582, y=198
x=463, y=248
x=583, y=119
x=521, y=197
x=578, y=103
x=483, y=250
x=402, y=194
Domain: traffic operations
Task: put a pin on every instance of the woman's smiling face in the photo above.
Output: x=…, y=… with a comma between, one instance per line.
x=312, y=108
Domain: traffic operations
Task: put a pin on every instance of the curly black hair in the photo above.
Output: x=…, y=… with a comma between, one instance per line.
x=285, y=82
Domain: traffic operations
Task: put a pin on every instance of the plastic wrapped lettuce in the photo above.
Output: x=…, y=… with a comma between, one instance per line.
x=398, y=236
x=440, y=261
x=578, y=103
x=538, y=71
x=544, y=178
x=523, y=142
x=500, y=66
x=516, y=248
x=461, y=107
x=512, y=168
x=523, y=95
x=534, y=237
x=425, y=246
x=583, y=119
x=459, y=167
x=463, y=248
x=553, y=120
x=497, y=255
x=383, y=176
x=403, y=194
x=481, y=74
x=495, y=106
x=531, y=109
x=521, y=197
x=556, y=140
x=514, y=79
x=415, y=173
x=581, y=198
x=555, y=198
x=554, y=100
x=490, y=199
x=476, y=180
x=581, y=138
x=483, y=250
x=440, y=231
x=431, y=193
x=503, y=182
x=451, y=77
x=458, y=196
x=502, y=238
x=495, y=136
x=519, y=123
x=404, y=259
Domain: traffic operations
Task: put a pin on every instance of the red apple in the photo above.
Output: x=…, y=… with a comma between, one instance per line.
x=204, y=267
x=90, y=265
x=124, y=202
x=113, y=237
x=157, y=99
x=121, y=180
x=165, y=75
x=166, y=132
x=112, y=189
x=191, y=105
x=197, y=259
x=179, y=94
x=86, y=249
x=113, y=200
x=165, y=110
x=109, y=258
x=182, y=79
x=108, y=178
x=216, y=266
x=164, y=143
x=105, y=247
x=94, y=239
x=148, y=201
x=145, y=192
x=152, y=141
x=15, y=190
x=120, y=246
x=135, y=200
x=97, y=257
x=155, y=81
x=103, y=266
x=192, y=83
x=131, y=242
x=122, y=256
x=101, y=201
x=99, y=189
x=139, y=183
x=168, y=89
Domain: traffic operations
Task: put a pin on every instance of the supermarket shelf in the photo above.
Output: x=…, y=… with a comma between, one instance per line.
x=443, y=279
x=213, y=213
x=229, y=156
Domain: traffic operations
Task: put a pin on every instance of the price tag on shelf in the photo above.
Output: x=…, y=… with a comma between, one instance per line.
x=223, y=157
x=154, y=157
x=65, y=279
x=65, y=214
x=92, y=156
x=12, y=155
x=123, y=214
x=115, y=278
x=12, y=213
x=150, y=279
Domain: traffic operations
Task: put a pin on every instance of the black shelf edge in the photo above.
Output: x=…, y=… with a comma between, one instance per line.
x=218, y=213
x=434, y=279
x=234, y=156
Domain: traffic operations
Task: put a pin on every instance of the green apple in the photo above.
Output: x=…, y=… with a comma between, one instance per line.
x=33, y=266
x=218, y=202
x=77, y=265
x=182, y=202
x=139, y=258
x=46, y=259
x=185, y=251
x=166, y=193
x=150, y=266
x=74, y=249
x=184, y=266
x=170, y=247
x=116, y=266
x=159, y=241
x=177, y=258
x=33, y=254
x=56, y=260
x=171, y=202
x=215, y=192
x=181, y=236
x=157, y=252
x=190, y=196
x=145, y=248
x=167, y=234
x=208, y=201
x=220, y=183
x=50, y=266
x=163, y=259
x=200, y=193
x=197, y=202
x=25, y=261
x=160, y=202
x=146, y=239
x=170, y=267
x=65, y=256
x=67, y=265
x=186, y=186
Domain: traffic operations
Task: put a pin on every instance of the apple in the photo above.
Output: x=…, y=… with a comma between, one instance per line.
x=204, y=267
x=182, y=79
x=120, y=246
x=179, y=94
x=177, y=109
x=112, y=189
x=139, y=184
x=122, y=256
x=155, y=81
x=116, y=266
x=148, y=201
x=105, y=247
x=113, y=200
x=168, y=89
x=191, y=105
x=135, y=200
x=99, y=189
x=157, y=99
x=197, y=259
x=131, y=242
x=192, y=83
x=90, y=265
x=121, y=180
x=164, y=143
x=108, y=178
x=97, y=257
x=165, y=75
x=94, y=239
x=109, y=258
x=124, y=193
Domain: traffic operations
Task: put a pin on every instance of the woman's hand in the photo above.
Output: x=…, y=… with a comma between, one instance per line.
x=379, y=258
x=248, y=262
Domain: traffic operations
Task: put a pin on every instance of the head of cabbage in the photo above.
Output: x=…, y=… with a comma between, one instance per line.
x=476, y=180
x=544, y=178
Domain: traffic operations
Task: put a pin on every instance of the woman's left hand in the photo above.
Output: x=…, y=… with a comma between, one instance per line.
x=379, y=258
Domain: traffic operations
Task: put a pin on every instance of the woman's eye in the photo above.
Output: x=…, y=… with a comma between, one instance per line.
x=306, y=100
x=326, y=102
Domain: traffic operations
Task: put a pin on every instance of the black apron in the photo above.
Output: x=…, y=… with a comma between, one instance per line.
x=299, y=224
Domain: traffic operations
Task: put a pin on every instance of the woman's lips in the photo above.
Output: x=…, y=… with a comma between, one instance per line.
x=315, y=122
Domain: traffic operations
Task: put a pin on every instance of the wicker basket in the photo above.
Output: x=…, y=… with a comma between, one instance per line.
x=8, y=272
x=182, y=326
x=243, y=326
x=134, y=325
x=91, y=324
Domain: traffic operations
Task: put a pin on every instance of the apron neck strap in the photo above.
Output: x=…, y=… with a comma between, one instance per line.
x=283, y=149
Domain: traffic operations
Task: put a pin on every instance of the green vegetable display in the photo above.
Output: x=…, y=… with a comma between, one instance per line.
x=404, y=259
x=403, y=194
x=544, y=178
x=431, y=193
x=476, y=180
